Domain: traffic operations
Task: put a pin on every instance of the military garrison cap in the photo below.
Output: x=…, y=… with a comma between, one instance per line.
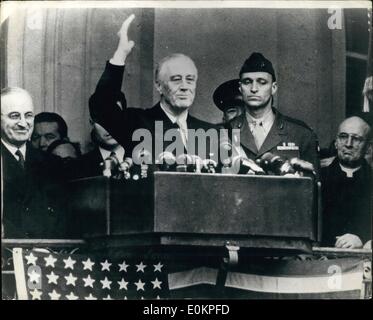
x=227, y=95
x=258, y=63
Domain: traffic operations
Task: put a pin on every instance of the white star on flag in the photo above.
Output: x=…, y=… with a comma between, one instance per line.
x=158, y=267
x=49, y=261
x=31, y=259
x=72, y=296
x=156, y=283
x=88, y=282
x=34, y=276
x=105, y=265
x=106, y=283
x=54, y=295
x=88, y=264
x=52, y=278
x=70, y=279
x=122, y=284
x=123, y=266
x=36, y=295
x=140, y=285
x=140, y=267
x=107, y=297
x=69, y=263
x=90, y=297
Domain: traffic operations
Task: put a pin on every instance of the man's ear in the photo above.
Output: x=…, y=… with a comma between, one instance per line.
x=274, y=87
x=369, y=149
x=158, y=86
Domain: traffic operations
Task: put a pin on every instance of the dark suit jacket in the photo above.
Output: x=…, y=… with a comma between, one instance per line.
x=347, y=203
x=286, y=134
x=122, y=123
x=30, y=197
x=88, y=165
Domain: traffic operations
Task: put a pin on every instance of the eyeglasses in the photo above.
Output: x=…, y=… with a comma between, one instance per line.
x=355, y=139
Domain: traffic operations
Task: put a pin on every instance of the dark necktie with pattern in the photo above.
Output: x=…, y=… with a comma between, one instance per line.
x=21, y=159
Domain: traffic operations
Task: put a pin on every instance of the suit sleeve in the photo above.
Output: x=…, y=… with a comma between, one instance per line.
x=310, y=152
x=104, y=108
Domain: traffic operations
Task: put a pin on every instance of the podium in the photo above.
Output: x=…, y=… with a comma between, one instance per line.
x=259, y=214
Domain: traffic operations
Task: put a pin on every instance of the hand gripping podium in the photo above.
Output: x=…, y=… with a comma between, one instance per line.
x=172, y=209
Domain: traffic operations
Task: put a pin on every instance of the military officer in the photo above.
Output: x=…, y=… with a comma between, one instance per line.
x=228, y=99
x=262, y=127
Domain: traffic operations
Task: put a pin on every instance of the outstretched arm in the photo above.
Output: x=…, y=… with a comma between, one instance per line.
x=124, y=46
x=103, y=104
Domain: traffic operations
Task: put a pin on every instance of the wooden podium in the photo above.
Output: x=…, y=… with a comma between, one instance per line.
x=169, y=209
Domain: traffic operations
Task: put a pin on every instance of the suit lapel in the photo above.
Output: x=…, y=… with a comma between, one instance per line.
x=275, y=135
x=246, y=137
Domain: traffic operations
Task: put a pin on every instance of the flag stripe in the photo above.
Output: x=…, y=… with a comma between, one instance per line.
x=192, y=277
x=330, y=283
x=19, y=272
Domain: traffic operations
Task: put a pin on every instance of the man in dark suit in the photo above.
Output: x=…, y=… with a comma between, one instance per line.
x=347, y=188
x=176, y=81
x=105, y=146
x=262, y=127
x=28, y=210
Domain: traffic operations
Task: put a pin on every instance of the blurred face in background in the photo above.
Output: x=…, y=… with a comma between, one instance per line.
x=65, y=150
x=103, y=138
x=232, y=112
x=44, y=134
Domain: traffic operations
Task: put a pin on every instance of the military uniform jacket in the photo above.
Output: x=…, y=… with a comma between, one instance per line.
x=287, y=138
x=123, y=122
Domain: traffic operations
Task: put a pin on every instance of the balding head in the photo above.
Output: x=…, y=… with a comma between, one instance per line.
x=352, y=141
x=176, y=81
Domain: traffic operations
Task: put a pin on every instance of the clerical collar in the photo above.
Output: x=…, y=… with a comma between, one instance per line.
x=266, y=120
x=13, y=149
x=119, y=151
x=349, y=171
x=174, y=119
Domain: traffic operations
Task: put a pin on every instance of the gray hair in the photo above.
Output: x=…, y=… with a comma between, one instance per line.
x=162, y=62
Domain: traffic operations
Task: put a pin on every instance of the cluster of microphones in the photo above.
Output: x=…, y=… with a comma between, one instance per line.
x=267, y=164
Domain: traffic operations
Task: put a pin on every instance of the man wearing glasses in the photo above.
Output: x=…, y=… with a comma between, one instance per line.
x=346, y=185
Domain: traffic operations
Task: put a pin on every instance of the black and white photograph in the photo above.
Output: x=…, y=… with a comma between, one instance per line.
x=186, y=150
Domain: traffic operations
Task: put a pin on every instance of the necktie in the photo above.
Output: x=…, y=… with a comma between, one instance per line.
x=21, y=159
x=183, y=132
x=258, y=133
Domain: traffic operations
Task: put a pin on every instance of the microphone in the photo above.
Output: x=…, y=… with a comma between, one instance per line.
x=209, y=165
x=125, y=166
x=244, y=165
x=197, y=163
x=144, y=157
x=302, y=166
x=166, y=161
x=184, y=162
x=276, y=164
x=109, y=164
